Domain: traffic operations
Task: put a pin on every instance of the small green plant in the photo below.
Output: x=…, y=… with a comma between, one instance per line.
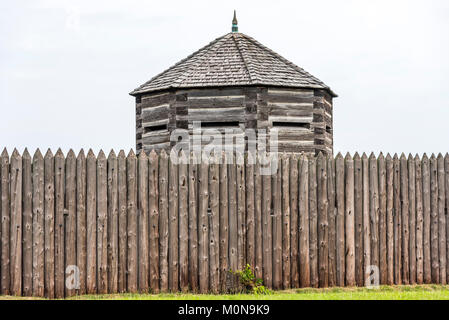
x=251, y=283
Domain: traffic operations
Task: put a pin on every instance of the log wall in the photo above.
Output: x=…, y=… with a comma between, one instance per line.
x=96, y=224
x=302, y=118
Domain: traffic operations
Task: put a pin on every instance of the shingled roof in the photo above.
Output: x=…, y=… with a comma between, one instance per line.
x=234, y=59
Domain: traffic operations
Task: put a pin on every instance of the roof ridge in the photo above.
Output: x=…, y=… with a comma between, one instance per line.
x=242, y=56
x=284, y=60
x=180, y=62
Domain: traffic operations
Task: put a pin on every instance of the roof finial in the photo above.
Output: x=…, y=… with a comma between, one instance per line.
x=235, y=27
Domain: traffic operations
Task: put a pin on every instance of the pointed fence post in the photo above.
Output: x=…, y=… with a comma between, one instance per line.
x=383, y=269
x=81, y=220
x=113, y=207
x=358, y=220
x=122, y=221
x=5, y=223
x=70, y=277
x=59, y=224
x=38, y=224
x=427, y=257
x=153, y=186
x=323, y=222
x=340, y=219
x=390, y=219
x=49, y=233
x=27, y=223
x=349, y=221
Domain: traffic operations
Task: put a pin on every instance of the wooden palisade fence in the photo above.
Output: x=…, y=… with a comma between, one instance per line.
x=142, y=223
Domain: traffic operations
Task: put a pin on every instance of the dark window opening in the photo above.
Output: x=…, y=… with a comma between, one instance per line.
x=155, y=128
x=328, y=129
x=219, y=124
x=292, y=124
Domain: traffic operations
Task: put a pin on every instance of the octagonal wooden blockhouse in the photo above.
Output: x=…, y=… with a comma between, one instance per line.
x=234, y=84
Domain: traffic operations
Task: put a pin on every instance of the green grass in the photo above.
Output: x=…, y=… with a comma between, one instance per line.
x=422, y=292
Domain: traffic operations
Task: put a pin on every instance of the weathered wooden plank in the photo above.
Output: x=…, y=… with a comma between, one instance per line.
x=142, y=220
x=332, y=212
x=241, y=218
x=224, y=222
x=366, y=220
x=276, y=190
x=81, y=221
x=27, y=225
x=59, y=224
x=286, y=216
x=427, y=257
x=71, y=276
x=397, y=220
x=91, y=222
x=122, y=221
x=390, y=219
x=435, y=268
x=49, y=233
x=203, y=226
x=250, y=211
x=153, y=205
x=323, y=231
x=183, y=223
x=16, y=223
x=214, y=233
x=91, y=207
x=419, y=221
x=231, y=113
x=112, y=192
x=340, y=218
x=412, y=218
x=349, y=222
x=5, y=223
x=193, y=225
x=163, y=221
x=374, y=209
x=302, y=97
x=102, y=224
x=405, y=221
x=155, y=113
x=383, y=267
x=358, y=220
x=441, y=219
x=132, y=260
x=38, y=225
x=152, y=100
x=294, y=215
x=233, y=221
x=304, y=257
x=266, y=226
x=155, y=138
x=313, y=223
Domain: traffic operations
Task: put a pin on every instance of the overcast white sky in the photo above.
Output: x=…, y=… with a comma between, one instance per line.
x=66, y=67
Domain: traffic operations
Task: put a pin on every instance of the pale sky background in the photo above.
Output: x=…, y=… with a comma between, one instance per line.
x=66, y=67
